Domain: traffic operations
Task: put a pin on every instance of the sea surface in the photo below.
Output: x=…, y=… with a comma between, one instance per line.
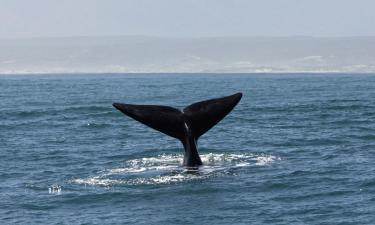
x=297, y=149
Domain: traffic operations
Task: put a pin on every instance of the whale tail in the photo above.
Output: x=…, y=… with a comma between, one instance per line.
x=186, y=125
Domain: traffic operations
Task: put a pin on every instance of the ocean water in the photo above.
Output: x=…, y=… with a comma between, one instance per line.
x=297, y=149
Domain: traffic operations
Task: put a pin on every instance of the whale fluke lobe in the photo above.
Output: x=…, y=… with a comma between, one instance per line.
x=161, y=118
x=202, y=116
x=186, y=125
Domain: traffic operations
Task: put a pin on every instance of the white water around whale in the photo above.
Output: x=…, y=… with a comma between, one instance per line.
x=167, y=169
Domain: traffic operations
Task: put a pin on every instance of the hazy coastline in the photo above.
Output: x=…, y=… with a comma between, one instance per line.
x=144, y=54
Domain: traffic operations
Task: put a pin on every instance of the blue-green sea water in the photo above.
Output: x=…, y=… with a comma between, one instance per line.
x=297, y=149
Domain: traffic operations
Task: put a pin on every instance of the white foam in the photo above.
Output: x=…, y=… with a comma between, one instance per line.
x=264, y=160
x=166, y=169
x=55, y=189
x=127, y=170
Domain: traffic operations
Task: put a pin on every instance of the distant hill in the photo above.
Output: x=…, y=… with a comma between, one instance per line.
x=217, y=55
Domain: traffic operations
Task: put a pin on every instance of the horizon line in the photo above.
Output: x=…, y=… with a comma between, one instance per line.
x=182, y=73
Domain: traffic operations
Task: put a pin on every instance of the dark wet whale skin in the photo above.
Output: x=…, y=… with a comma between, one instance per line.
x=186, y=125
x=191, y=156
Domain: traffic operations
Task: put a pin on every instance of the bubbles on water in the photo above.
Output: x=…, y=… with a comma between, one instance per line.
x=168, y=169
x=54, y=189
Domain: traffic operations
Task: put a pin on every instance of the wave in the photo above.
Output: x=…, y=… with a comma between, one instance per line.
x=167, y=169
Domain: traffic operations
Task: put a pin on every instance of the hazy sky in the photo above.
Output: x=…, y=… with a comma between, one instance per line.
x=186, y=18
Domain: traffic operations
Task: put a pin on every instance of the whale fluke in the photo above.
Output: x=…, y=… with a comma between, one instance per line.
x=186, y=125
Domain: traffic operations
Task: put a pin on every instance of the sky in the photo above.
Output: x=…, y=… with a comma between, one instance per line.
x=186, y=18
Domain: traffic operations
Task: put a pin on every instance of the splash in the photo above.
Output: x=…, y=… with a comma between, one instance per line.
x=167, y=169
x=55, y=189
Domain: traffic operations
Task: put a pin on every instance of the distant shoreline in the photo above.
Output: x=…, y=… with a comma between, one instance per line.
x=139, y=54
x=191, y=73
